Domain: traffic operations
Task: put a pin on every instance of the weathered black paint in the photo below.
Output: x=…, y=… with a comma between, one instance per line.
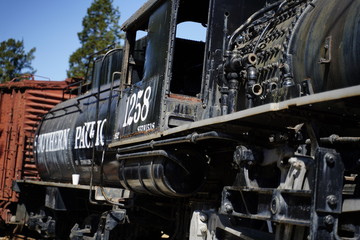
x=273, y=77
x=77, y=155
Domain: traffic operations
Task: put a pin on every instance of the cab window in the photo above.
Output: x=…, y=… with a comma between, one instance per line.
x=147, y=45
x=189, y=48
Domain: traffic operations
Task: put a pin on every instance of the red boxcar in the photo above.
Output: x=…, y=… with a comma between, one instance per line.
x=22, y=104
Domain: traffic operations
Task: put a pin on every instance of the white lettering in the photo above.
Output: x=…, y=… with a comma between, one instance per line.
x=85, y=135
x=101, y=136
x=84, y=138
x=146, y=127
x=52, y=141
x=77, y=137
x=137, y=107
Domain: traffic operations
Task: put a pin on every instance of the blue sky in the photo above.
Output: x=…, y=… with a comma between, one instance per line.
x=51, y=26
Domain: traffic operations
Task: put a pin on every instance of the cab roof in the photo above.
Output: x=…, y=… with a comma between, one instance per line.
x=139, y=20
x=195, y=11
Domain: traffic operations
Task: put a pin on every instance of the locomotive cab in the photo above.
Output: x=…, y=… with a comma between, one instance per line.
x=143, y=71
x=168, y=81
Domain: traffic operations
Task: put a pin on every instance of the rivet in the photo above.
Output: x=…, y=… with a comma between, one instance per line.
x=228, y=208
x=330, y=159
x=331, y=200
x=203, y=217
x=329, y=220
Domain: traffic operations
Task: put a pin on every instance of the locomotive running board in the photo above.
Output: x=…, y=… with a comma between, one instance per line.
x=51, y=184
x=309, y=102
x=116, y=194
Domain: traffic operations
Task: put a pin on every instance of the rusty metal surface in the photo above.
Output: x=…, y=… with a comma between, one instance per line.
x=22, y=105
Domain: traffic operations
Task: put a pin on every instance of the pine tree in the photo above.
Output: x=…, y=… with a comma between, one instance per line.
x=100, y=30
x=14, y=61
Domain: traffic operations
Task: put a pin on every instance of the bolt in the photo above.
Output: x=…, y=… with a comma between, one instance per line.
x=329, y=220
x=203, y=229
x=295, y=173
x=228, y=208
x=227, y=194
x=331, y=200
x=203, y=217
x=274, y=205
x=330, y=159
x=299, y=150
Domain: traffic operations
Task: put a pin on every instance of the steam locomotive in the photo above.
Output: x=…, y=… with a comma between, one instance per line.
x=251, y=134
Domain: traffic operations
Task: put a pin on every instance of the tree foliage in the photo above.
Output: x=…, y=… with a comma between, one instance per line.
x=14, y=61
x=100, y=30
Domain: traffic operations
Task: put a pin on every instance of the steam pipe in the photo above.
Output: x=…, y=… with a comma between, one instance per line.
x=335, y=139
x=248, y=22
x=191, y=138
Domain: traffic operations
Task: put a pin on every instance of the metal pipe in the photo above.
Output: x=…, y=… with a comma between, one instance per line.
x=191, y=138
x=98, y=93
x=248, y=22
x=335, y=139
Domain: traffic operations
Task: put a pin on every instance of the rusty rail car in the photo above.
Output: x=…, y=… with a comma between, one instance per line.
x=23, y=103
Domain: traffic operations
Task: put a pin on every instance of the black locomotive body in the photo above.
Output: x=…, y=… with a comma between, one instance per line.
x=251, y=134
